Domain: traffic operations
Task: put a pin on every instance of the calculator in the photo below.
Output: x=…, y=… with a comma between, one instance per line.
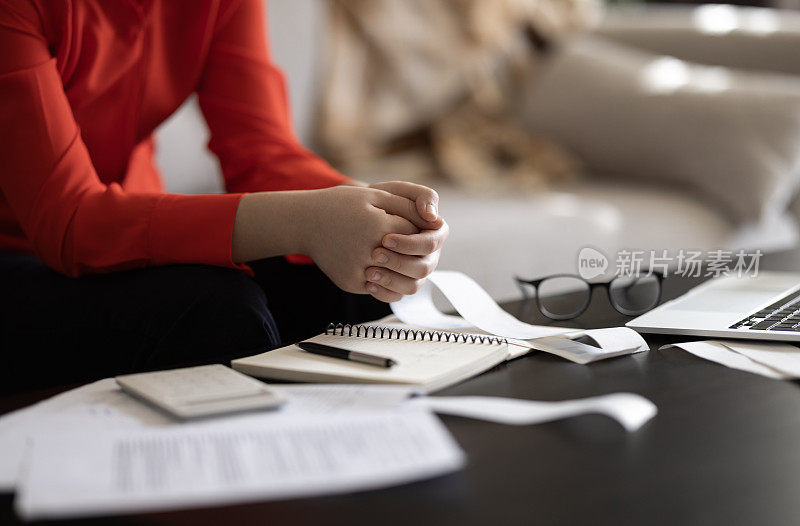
x=195, y=392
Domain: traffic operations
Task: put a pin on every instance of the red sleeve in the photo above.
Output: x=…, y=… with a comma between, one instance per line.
x=76, y=223
x=243, y=98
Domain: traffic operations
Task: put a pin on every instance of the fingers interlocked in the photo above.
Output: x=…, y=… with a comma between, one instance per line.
x=400, y=266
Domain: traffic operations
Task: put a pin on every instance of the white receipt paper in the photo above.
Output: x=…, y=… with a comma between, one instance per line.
x=773, y=360
x=478, y=309
x=204, y=464
x=474, y=304
x=632, y=411
x=781, y=357
x=613, y=341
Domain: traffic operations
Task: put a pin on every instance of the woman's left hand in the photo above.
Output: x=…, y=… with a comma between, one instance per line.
x=402, y=263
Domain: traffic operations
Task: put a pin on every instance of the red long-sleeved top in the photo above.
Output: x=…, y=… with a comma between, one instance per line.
x=83, y=84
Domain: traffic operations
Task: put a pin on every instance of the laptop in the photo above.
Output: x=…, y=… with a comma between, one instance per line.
x=764, y=307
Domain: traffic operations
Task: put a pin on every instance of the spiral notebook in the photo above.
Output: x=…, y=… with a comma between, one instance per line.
x=429, y=360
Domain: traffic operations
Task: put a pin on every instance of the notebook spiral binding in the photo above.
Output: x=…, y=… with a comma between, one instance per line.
x=374, y=331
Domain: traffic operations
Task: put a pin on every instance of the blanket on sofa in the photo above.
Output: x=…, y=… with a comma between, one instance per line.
x=426, y=89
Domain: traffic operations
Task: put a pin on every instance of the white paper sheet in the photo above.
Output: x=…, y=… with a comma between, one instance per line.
x=631, y=410
x=474, y=304
x=208, y=464
x=103, y=406
x=715, y=351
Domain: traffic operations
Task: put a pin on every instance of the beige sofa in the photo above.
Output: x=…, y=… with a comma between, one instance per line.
x=494, y=238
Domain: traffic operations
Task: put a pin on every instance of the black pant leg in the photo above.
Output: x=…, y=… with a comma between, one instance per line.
x=303, y=299
x=56, y=330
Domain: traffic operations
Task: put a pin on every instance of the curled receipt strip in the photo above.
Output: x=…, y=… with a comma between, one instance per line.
x=476, y=307
x=418, y=310
x=752, y=357
x=632, y=411
x=479, y=310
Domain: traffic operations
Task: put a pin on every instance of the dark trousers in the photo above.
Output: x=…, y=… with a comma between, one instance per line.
x=56, y=330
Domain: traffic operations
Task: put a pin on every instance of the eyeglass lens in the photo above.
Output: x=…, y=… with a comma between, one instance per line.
x=634, y=294
x=563, y=297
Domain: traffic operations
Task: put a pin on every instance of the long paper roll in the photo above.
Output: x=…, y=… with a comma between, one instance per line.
x=476, y=307
x=631, y=410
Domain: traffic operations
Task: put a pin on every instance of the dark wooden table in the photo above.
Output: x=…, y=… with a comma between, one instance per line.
x=724, y=449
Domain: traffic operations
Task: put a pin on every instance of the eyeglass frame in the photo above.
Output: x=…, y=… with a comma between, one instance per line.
x=592, y=285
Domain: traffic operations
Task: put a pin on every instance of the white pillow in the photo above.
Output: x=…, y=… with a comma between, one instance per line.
x=731, y=136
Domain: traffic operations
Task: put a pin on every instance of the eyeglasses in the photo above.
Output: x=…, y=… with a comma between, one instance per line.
x=566, y=296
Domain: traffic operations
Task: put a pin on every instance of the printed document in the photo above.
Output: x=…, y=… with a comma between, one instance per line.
x=103, y=405
x=82, y=474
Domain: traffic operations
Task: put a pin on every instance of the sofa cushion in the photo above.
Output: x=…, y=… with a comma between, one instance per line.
x=495, y=237
x=731, y=136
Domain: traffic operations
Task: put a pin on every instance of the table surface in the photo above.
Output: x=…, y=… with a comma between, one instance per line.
x=723, y=449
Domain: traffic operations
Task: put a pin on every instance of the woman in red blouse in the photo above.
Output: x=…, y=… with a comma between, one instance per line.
x=101, y=272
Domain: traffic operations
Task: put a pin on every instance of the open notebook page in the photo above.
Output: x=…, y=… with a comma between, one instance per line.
x=428, y=364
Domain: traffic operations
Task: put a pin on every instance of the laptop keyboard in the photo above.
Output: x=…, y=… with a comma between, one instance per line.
x=783, y=315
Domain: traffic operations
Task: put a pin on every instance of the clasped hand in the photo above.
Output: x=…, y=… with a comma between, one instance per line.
x=381, y=240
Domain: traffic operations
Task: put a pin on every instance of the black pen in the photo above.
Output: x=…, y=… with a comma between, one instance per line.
x=344, y=354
